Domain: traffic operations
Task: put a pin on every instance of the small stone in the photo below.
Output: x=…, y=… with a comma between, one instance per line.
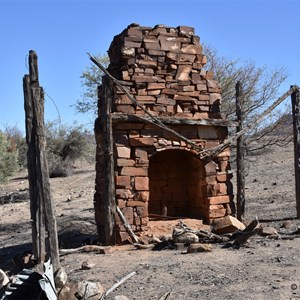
x=267, y=231
x=60, y=278
x=286, y=224
x=120, y=297
x=194, y=248
x=185, y=237
x=3, y=279
x=87, y=265
x=227, y=224
x=90, y=290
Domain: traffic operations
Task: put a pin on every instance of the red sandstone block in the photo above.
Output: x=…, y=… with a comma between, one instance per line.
x=209, y=75
x=196, y=79
x=145, y=99
x=191, y=49
x=155, y=86
x=128, y=213
x=142, y=141
x=183, y=73
x=125, y=162
x=152, y=46
x=165, y=101
x=186, y=58
x=142, y=211
x=156, y=52
x=126, y=109
x=218, y=200
x=134, y=31
x=123, y=193
x=142, y=196
x=144, y=78
x=141, y=153
x=217, y=213
x=202, y=86
x=204, y=97
x=147, y=63
x=221, y=177
x=169, y=91
x=123, y=152
x=141, y=183
x=191, y=94
x=132, y=171
x=186, y=30
x=121, y=203
x=172, y=56
x=123, y=181
x=154, y=92
x=169, y=44
x=189, y=88
x=133, y=203
x=224, y=165
x=131, y=44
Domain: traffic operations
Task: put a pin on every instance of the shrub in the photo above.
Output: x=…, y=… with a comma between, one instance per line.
x=8, y=158
x=66, y=144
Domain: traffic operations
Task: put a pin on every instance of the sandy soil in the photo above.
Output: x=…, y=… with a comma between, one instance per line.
x=265, y=269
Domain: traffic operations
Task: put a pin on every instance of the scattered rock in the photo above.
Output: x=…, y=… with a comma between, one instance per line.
x=179, y=246
x=68, y=292
x=267, y=231
x=227, y=224
x=87, y=265
x=60, y=278
x=184, y=237
x=89, y=290
x=193, y=248
x=286, y=224
x=121, y=297
x=3, y=279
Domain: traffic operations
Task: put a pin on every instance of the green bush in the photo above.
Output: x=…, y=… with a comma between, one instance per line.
x=8, y=158
x=66, y=144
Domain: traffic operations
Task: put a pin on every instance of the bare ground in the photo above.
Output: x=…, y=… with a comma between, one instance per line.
x=265, y=269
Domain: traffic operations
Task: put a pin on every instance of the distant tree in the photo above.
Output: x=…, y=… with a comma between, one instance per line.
x=260, y=89
x=91, y=77
x=8, y=158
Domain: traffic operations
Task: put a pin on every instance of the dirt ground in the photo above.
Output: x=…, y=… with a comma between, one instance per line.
x=267, y=268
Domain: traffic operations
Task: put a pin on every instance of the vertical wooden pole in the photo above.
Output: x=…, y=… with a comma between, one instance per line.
x=240, y=154
x=109, y=192
x=42, y=206
x=295, y=97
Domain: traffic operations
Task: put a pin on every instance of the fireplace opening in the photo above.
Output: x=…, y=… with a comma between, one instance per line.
x=177, y=184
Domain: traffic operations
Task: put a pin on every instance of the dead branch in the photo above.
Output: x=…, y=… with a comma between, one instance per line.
x=117, y=284
x=127, y=225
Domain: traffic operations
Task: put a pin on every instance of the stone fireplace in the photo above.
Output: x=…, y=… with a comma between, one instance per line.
x=141, y=168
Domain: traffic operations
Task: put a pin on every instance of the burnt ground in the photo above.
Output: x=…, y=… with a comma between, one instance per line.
x=265, y=269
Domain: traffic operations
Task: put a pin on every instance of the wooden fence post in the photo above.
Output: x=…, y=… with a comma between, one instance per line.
x=295, y=97
x=240, y=149
x=42, y=206
x=109, y=189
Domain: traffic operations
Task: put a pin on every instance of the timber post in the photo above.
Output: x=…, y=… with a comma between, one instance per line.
x=240, y=154
x=109, y=189
x=295, y=97
x=41, y=203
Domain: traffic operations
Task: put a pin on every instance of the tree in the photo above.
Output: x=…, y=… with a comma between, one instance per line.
x=260, y=89
x=91, y=77
x=8, y=158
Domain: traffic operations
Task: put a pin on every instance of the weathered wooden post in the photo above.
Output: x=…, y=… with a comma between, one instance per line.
x=295, y=97
x=240, y=149
x=41, y=204
x=109, y=189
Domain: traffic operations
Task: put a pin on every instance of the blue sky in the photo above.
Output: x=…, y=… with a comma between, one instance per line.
x=265, y=32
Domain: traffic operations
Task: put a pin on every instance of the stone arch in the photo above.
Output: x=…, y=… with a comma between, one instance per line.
x=177, y=184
